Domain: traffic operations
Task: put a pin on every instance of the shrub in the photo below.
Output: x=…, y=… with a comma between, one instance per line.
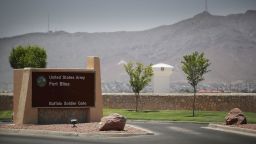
x=28, y=56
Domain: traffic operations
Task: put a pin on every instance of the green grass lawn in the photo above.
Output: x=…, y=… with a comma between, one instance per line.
x=5, y=114
x=164, y=115
x=178, y=115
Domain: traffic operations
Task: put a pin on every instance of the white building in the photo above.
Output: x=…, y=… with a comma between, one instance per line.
x=161, y=78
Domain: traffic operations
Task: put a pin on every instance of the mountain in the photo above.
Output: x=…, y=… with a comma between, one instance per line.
x=228, y=41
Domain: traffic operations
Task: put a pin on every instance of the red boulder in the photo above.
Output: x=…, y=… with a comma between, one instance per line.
x=112, y=122
x=235, y=116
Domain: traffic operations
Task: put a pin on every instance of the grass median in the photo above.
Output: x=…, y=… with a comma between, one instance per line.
x=178, y=115
x=5, y=115
x=163, y=115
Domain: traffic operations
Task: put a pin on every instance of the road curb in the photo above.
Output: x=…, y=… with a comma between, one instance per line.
x=148, y=132
x=243, y=131
x=157, y=121
x=30, y=132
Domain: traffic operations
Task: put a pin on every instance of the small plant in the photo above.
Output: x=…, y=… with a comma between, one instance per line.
x=28, y=56
x=195, y=66
x=140, y=76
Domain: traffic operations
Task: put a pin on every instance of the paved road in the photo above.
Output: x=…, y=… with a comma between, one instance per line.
x=166, y=133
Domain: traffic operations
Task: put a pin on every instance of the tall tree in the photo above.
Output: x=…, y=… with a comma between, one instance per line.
x=195, y=66
x=140, y=76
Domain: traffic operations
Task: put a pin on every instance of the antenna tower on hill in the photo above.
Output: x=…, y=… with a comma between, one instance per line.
x=48, y=26
x=206, y=6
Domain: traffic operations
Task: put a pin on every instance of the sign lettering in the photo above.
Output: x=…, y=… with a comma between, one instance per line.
x=63, y=89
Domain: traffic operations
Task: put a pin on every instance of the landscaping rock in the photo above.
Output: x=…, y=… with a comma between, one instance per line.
x=235, y=116
x=112, y=122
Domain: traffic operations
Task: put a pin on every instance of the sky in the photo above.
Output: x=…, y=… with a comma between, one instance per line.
x=27, y=16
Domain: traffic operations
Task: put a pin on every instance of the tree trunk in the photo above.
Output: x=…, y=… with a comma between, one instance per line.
x=194, y=101
x=136, y=100
x=140, y=104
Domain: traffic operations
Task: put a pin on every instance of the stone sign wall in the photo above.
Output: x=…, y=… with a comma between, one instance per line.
x=58, y=95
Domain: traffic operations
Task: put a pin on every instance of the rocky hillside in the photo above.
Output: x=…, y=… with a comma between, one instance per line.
x=228, y=41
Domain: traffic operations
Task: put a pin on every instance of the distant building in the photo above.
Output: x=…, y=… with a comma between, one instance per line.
x=161, y=78
x=122, y=62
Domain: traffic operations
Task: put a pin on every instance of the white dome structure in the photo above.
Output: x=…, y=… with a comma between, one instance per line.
x=122, y=62
x=161, y=78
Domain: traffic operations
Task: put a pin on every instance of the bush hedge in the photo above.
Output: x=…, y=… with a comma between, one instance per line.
x=28, y=56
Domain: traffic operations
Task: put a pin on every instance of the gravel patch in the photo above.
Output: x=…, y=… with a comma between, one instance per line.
x=244, y=126
x=80, y=128
x=247, y=126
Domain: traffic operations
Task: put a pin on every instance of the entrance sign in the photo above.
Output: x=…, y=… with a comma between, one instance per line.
x=56, y=95
x=63, y=89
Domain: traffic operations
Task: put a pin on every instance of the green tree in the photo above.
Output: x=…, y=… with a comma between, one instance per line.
x=28, y=56
x=195, y=66
x=140, y=76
